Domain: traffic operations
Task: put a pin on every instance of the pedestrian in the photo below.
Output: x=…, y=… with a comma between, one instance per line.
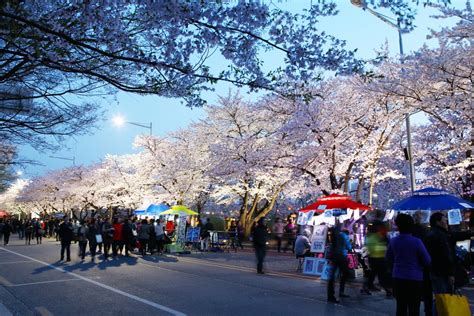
x=340, y=246
x=240, y=234
x=93, y=234
x=303, y=245
x=82, y=238
x=441, y=246
x=66, y=234
x=21, y=229
x=143, y=236
x=421, y=231
x=160, y=234
x=107, y=237
x=376, y=242
x=7, y=230
x=408, y=256
x=291, y=231
x=28, y=232
x=38, y=231
x=117, y=240
x=206, y=234
x=259, y=240
x=128, y=237
x=152, y=236
x=278, y=231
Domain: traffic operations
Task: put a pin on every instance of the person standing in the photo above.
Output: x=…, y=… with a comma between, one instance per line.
x=291, y=231
x=117, y=240
x=206, y=234
x=128, y=238
x=82, y=237
x=28, y=232
x=259, y=240
x=38, y=232
x=21, y=229
x=143, y=236
x=66, y=234
x=160, y=235
x=409, y=257
x=107, y=237
x=340, y=246
x=278, y=230
x=92, y=232
x=7, y=230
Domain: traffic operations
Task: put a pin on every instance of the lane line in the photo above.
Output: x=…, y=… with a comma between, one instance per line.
x=43, y=311
x=112, y=289
x=5, y=281
x=15, y=262
x=44, y=282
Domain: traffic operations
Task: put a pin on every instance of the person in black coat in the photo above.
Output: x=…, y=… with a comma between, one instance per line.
x=66, y=234
x=259, y=239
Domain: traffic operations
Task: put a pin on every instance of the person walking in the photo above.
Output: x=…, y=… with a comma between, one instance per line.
x=28, y=232
x=408, y=256
x=21, y=229
x=278, y=230
x=340, y=246
x=128, y=237
x=38, y=231
x=82, y=238
x=66, y=234
x=376, y=242
x=259, y=240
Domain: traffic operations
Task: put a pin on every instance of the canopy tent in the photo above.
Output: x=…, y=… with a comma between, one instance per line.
x=431, y=199
x=156, y=209
x=4, y=213
x=334, y=201
x=179, y=210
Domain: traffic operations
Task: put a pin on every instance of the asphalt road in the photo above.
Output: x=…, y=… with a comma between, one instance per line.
x=34, y=282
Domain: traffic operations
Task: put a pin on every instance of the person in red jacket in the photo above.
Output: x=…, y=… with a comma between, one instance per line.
x=117, y=240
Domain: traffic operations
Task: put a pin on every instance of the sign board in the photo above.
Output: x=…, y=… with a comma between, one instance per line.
x=318, y=240
x=192, y=235
x=454, y=217
x=304, y=218
x=181, y=231
x=339, y=212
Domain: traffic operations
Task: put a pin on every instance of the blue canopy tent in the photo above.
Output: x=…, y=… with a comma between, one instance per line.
x=431, y=199
x=156, y=209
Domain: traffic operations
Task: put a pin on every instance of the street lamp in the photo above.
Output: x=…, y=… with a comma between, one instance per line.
x=119, y=121
x=73, y=159
x=362, y=4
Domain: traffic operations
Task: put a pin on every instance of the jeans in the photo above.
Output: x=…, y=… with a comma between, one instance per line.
x=82, y=249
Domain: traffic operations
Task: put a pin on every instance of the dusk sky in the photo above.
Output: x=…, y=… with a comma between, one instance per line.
x=359, y=28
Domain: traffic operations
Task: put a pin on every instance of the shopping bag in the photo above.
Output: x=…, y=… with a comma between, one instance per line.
x=452, y=305
x=98, y=238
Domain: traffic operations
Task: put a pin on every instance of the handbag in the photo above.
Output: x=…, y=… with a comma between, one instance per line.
x=98, y=238
x=452, y=305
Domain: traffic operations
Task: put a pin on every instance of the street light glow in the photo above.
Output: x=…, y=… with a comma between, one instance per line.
x=118, y=120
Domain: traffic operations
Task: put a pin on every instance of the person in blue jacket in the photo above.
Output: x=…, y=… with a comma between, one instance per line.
x=340, y=246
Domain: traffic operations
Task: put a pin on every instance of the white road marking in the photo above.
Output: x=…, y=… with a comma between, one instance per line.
x=44, y=282
x=5, y=282
x=131, y=296
x=43, y=311
x=15, y=262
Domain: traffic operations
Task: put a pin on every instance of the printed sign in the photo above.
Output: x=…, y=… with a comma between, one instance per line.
x=339, y=212
x=192, y=235
x=181, y=237
x=454, y=217
x=305, y=218
x=318, y=240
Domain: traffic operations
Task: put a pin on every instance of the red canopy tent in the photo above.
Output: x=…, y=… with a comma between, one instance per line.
x=334, y=201
x=3, y=213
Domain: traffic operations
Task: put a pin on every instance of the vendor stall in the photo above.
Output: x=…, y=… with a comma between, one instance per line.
x=180, y=214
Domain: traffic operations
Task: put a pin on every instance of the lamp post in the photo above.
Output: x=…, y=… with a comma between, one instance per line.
x=361, y=4
x=119, y=121
x=73, y=159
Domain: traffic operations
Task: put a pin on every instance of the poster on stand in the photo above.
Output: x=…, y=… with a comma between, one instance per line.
x=454, y=217
x=305, y=218
x=181, y=237
x=318, y=240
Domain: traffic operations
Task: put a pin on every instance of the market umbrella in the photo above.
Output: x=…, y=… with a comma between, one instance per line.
x=156, y=209
x=178, y=210
x=334, y=201
x=431, y=199
x=4, y=213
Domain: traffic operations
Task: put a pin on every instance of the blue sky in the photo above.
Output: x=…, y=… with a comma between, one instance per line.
x=359, y=28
